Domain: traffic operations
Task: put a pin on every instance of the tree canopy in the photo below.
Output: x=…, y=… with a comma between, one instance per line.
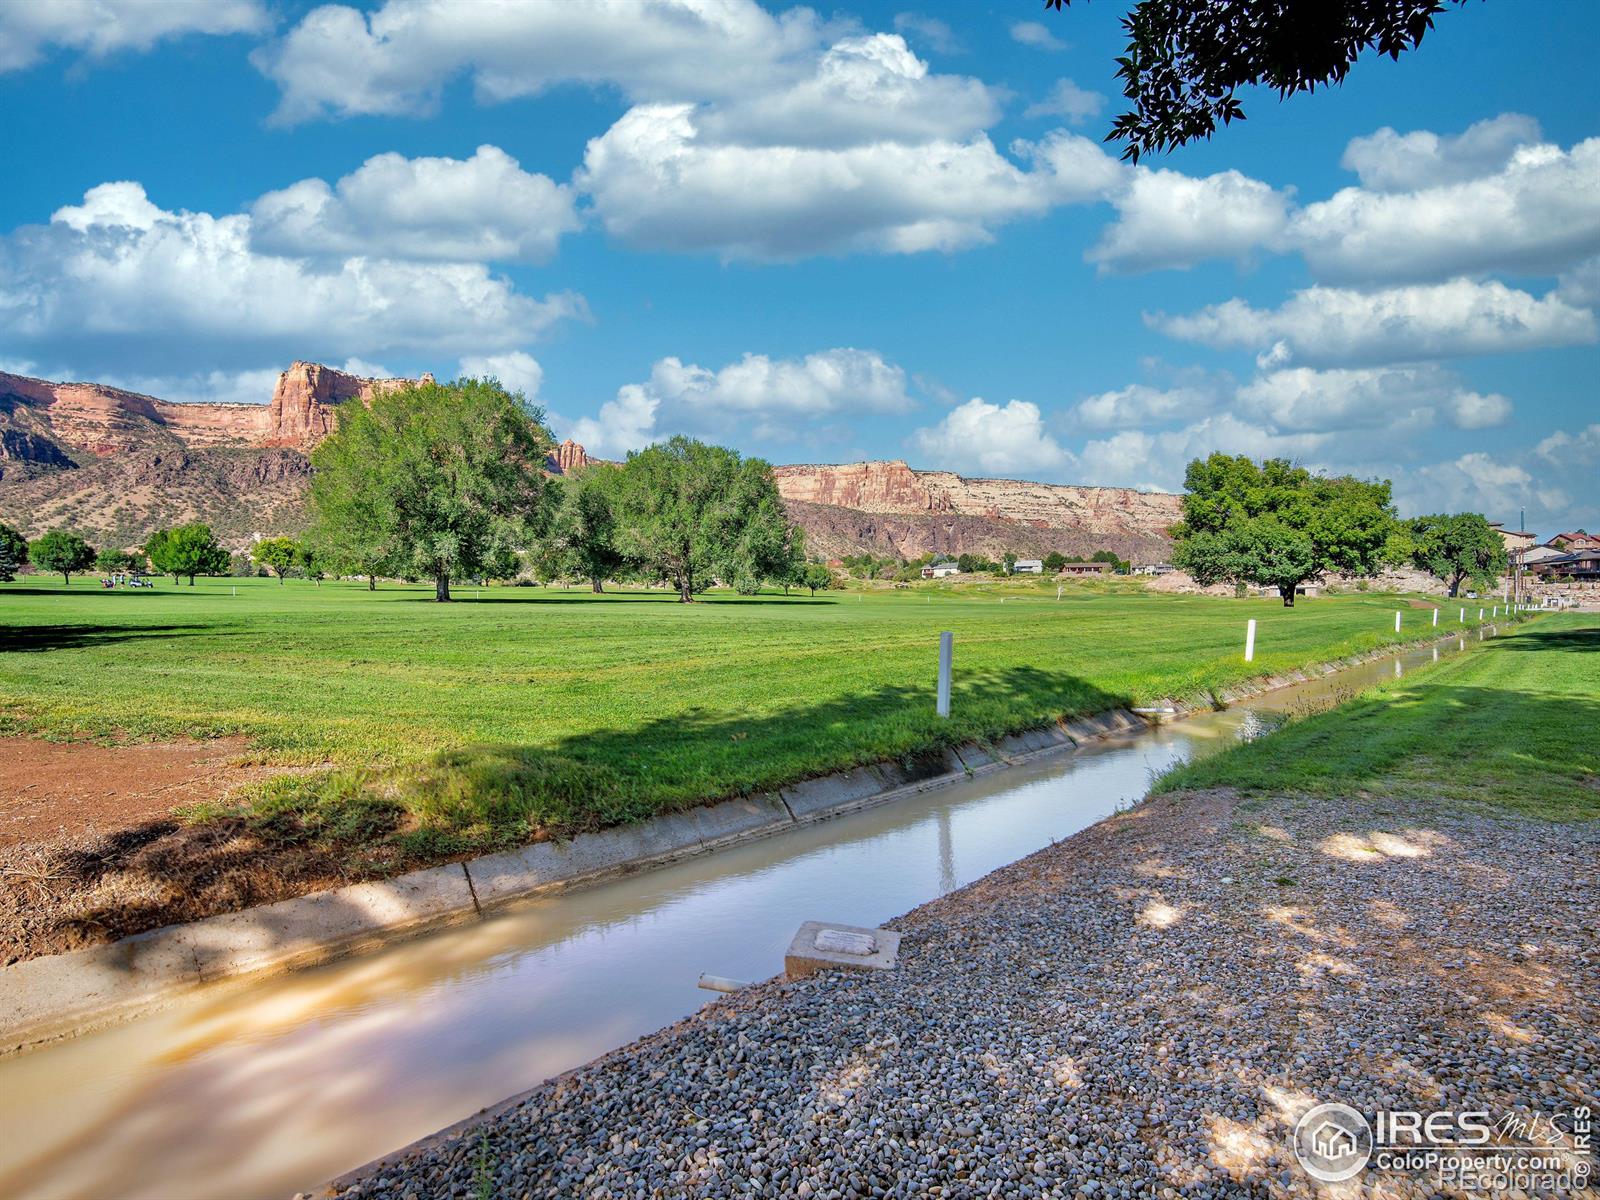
x=583, y=533
x=1277, y=525
x=1456, y=547
x=13, y=552
x=695, y=513
x=278, y=554
x=113, y=562
x=1186, y=60
x=451, y=475
x=187, y=550
x=63, y=551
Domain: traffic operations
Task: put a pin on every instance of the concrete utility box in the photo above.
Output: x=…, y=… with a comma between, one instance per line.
x=821, y=946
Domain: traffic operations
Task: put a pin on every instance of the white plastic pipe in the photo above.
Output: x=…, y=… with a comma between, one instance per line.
x=946, y=653
x=720, y=983
x=1435, y=618
x=1397, y=620
x=1250, y=641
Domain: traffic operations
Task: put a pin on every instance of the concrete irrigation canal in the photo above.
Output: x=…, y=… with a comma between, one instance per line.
x=260, y=1090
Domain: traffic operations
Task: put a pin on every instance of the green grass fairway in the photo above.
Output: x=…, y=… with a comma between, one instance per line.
x=1509, y=726
x=515, y=710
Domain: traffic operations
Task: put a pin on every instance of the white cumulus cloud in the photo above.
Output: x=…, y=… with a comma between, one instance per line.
x=340, y=61
x=991, y=439
x=1037, y=35
x=117, y=280
x=1388, y=161
x=99, y=28
x=657, y=183
x=624, y=424
x=1324, y=326
x=1300, y=398
x=1166, y=219
x=482, y=208
x=1140, y=404
x=1067, y=100
x=1535, y=214
x=516, y=369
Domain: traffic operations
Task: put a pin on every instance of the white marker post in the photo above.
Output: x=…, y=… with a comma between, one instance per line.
x=946, y=653
x=1397, y=620
x=1250, y=641
x=1436, y=618
x=1463, y=616
x=1480, y=614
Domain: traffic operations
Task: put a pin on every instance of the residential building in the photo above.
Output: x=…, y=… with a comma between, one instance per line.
x=1027, y=566
x=1085, y=568
x=940, y=570
x=1579, y=539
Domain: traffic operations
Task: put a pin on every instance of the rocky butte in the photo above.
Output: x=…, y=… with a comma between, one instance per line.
x=892, y=509
x=114, y=464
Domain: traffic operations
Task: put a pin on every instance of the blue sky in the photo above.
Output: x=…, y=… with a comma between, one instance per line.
x=821, y=235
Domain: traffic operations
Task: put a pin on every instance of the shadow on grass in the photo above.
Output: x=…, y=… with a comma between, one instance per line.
x=31, y=638
x=1566, y=640
x=1495, y=748
x=296, y=833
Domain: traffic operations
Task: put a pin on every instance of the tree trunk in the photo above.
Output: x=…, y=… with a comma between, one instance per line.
x=441, y=587
x=1455, y=586
x=1288, y=595
x=372, y=583
x=685, y=588
x=596, y=585
x=66, y=579
x=191, y=581
x=280, y=578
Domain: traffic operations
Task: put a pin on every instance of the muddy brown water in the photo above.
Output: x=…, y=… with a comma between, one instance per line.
x=262, y=1090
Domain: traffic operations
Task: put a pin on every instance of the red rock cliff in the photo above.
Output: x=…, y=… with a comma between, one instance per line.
x=887, y=487
x=94, y=419
x=566, y=458
x=894, y=488
x=303, y=406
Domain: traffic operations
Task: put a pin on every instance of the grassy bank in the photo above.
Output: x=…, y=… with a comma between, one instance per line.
x=521, y=712
x=1510, y=726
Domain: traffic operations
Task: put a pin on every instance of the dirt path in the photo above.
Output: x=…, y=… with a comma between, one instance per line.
x=90, y=850
x=63, y=791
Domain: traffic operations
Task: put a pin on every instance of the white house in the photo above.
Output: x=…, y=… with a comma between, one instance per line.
x=940, y=570
x=1027, y=566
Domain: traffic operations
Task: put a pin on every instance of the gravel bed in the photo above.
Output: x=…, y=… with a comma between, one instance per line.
x=1142, y=1010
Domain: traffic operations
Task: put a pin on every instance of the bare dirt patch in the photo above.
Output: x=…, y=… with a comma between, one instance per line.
x=58, y=791
x=91, y=851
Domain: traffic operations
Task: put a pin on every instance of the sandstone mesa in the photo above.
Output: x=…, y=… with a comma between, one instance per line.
x=116, y=464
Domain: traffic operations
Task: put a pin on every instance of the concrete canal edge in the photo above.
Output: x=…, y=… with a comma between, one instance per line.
x=62, y=995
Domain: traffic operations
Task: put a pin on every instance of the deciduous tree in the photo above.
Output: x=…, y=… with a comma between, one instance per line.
x=583, y=529
x=115, y=562
x=1457, y=547
x=61, y=550
x=1252, y=523
x=455, y=472
x=694, y=513
x=13, y=552
x=1186, y=60
x=187, y=550
x=278, y=554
